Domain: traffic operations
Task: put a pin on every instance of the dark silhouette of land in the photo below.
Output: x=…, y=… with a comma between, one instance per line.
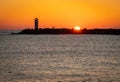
x=70, y=31
x=36, y=30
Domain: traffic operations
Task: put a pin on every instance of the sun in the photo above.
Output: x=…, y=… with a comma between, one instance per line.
x=77, y=28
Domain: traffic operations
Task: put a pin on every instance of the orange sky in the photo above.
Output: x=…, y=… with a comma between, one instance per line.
x=19, y=14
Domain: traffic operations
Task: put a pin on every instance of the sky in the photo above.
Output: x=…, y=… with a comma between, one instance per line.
x=20, y=14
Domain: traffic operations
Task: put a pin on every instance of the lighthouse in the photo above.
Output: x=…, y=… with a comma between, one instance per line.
x=36, y=23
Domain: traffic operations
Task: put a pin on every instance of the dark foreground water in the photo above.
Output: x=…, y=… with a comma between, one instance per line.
x=59, y=58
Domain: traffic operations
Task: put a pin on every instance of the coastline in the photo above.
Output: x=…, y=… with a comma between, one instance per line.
x=70, y=31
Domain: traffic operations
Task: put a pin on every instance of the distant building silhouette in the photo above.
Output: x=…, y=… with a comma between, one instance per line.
x=36, y=23
x=53, y=30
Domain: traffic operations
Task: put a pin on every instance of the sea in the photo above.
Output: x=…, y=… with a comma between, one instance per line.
x=59, y=58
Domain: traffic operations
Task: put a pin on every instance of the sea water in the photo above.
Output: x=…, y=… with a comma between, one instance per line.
x=59, y=58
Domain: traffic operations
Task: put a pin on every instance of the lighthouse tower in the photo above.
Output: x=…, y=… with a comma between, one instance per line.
x=36, y=23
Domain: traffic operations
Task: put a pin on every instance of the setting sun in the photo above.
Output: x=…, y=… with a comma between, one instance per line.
x=90, y=14
x=77, y=28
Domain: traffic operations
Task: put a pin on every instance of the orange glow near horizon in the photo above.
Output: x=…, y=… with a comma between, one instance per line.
x=20, y=14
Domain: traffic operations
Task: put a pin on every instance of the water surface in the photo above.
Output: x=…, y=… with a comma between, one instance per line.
x=59, y=58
